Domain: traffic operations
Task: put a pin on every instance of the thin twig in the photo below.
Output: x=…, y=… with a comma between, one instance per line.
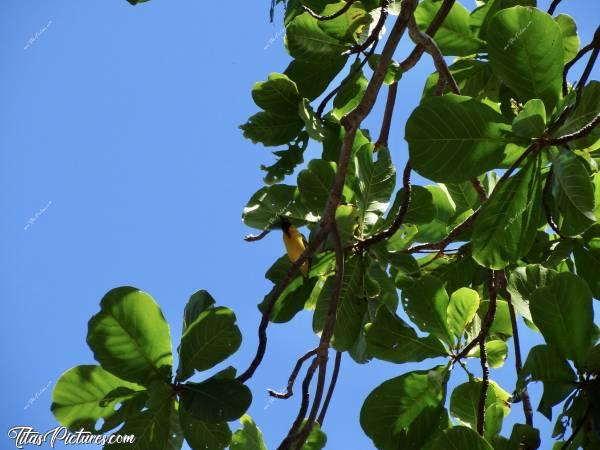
x=546, y=203
x=335, y=15
x=591, y=61
x=480, y=189
x=257, y=237
x=332, y=383
x=290, y=386
x=553, y=6
x=386, y=124
x=527, y=409
x=582, y=132
x=374, y=36
x=571, y=63
x=441, y=245
x=399, y=220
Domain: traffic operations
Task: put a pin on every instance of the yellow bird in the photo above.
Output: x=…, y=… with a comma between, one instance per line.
x=294, y=244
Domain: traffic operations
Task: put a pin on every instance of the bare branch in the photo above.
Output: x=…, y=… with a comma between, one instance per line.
x=334, y=378
x=257, y=237
x=553, y=6
x=582, y=132
x=335, y=15
x=290, y=386
x=374, y=36
x=480, y=190
x=386, y=124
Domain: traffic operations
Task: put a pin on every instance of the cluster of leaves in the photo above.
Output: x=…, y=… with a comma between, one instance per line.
x=508, y=231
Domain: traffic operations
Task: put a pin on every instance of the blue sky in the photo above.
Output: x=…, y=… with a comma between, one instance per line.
x=121, y=164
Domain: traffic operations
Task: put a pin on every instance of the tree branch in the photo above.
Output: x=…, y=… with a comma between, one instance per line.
x=257, y=237
x=582, y=132
x=289, y=390
x=374, y=36
x=335, y=15
x=386, y=124
x=334, y=378
x=553, y=6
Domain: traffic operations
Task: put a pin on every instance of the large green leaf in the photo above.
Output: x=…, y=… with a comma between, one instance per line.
x=473, y=77
x=84, y=394
x=278, y=95
x=272, y=129
x=531, y=120
x=454, y=37
x=587, y=262
x=574, y=194
x=391, y=339
x=269, y=204
x=349, y=97
x=464, y=404
x=568, y=29
x=458, y=438
x=307, y=41
x=454, y=138
x=374, y=182
x=211, y=338
x=204, y=435
x=543, y=364
x=392, y=407
x=130, y=336
x=249, y=437
x=216, y=399
x=315, y=183
x=351, y=308
x=444, y=213
x=462, y=308
x=523, y=281
x=426, y=303
x=345, y=27
x=586, y=109
x=563, y=312
x=199, y=302
x=313, y=77
x=505, y=229
x=526, y=52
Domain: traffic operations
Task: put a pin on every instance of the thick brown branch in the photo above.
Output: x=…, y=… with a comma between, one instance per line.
x=290, y=386
x=335, y=15
x=480, y=189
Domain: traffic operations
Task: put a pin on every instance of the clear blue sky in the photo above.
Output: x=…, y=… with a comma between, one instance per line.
x=119, y=140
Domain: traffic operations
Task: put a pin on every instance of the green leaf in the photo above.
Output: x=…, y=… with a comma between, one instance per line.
x=278, y=95
x=204, y=435
x=496, y=350
x=462, y=308
x=270, y=203
x=393, y=73
x=199, y=302
x=84, y=394
x=587, y=262
x=506, y=226
x=130, y=336
x=445, y=211
x=249, y=437
x=271, y=129
x=287, y=161
x=316, y=440
x=315, y=182
x=313, y=124
x=462, y=438
x=563, y=312
x=426, y=303
x=464, y=403
x=531, y=120
x=153, y=428
x=574, y=194
x=568, y=29
x=526, y=53
x=473, y=77
x=392, y=407
x=352, y=305
x=307, y=41
x=543, y=364
x=463, y=195
x=350, y=96
x=374, y=182
x=454, y=37
x=391, y=339
x=313, y=77
x=454, y=138
x=586, y=109
x=216, y=399
x=210, y=339
x=422, y=210
x=523, y=281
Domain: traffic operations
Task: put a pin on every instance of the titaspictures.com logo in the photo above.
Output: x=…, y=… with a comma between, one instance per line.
x=25, y=435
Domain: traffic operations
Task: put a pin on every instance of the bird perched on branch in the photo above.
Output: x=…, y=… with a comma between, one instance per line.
x=295, y=244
